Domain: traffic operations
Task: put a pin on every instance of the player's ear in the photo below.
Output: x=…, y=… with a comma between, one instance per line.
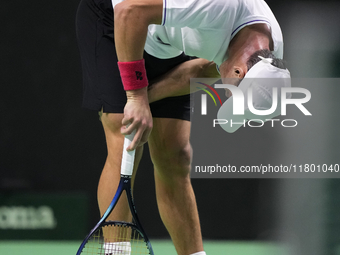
x=239, y=72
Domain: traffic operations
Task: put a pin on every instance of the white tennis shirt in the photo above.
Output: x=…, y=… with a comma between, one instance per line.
x=204, y=28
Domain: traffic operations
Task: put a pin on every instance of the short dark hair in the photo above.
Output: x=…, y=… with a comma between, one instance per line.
x=254, y=58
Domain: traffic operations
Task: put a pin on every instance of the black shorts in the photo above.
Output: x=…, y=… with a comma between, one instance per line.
x=102, y=85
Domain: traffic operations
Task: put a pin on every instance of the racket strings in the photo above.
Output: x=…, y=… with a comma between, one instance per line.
x=116, y=240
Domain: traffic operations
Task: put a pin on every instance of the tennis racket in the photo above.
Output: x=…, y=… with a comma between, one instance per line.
x=118, y=237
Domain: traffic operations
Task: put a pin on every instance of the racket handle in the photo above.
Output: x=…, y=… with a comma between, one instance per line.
x=128, y=157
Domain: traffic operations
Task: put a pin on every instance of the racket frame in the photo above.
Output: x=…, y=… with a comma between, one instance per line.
x=124, y=184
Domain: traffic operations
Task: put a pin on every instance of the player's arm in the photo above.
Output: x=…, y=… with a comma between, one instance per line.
x=176, y=82
x=131, y=21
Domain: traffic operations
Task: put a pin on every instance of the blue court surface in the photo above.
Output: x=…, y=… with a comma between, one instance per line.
x=161, y=247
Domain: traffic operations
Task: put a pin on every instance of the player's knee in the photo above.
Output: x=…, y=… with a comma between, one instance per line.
x=112, y=121
x=172, y=159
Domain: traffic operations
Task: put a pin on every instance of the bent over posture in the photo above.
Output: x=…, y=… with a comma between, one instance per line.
x=137, y=58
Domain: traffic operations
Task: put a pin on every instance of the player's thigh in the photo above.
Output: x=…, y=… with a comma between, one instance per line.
x=169, y=146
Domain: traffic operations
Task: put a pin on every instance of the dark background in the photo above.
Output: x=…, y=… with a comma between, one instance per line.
x=49, y=144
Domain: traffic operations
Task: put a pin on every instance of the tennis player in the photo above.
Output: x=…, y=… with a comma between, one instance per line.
x=137, y=61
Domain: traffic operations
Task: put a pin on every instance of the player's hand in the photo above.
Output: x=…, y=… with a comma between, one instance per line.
x=138, y=116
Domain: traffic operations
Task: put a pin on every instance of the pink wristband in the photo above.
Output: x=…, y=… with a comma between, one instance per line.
x=133, y=74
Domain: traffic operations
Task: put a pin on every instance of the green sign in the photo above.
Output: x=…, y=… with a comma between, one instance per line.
x=43, y=216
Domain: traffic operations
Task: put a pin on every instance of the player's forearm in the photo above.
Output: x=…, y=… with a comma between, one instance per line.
x=177, y=81
x=130, y=32
x=132, y=19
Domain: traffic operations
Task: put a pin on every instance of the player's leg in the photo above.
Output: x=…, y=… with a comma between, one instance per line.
x=171, y=153
x=110, y=176
x=103, y=91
